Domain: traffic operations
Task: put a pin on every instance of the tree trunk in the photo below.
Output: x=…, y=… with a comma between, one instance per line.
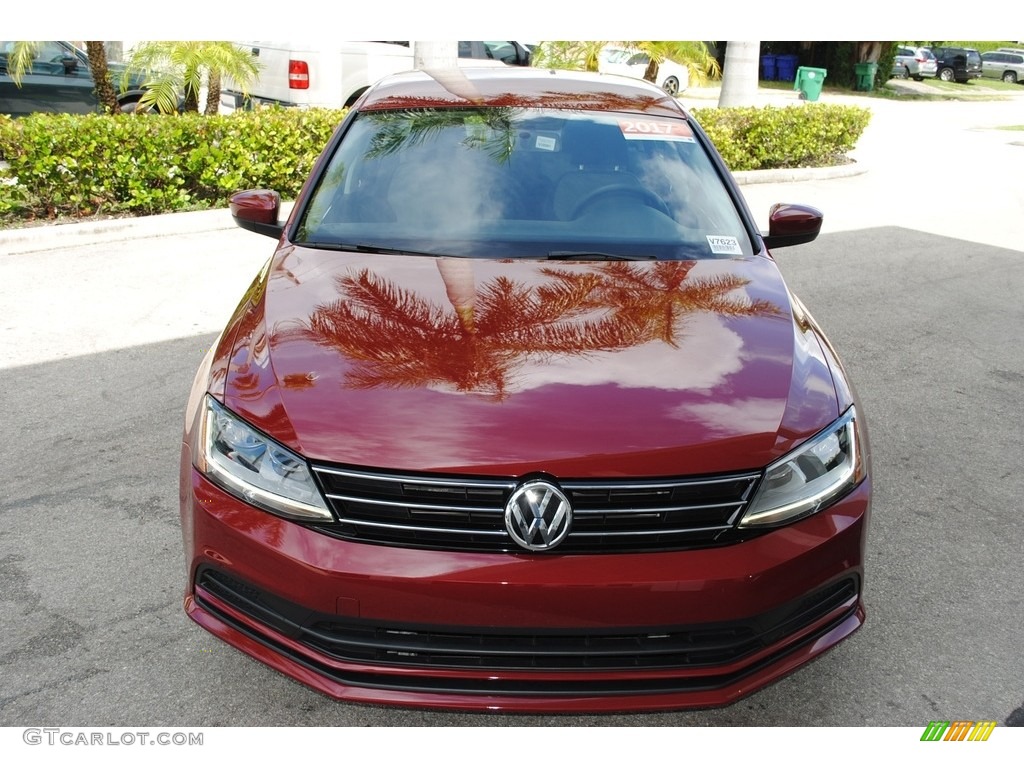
x=191, y=101
x=869, y=51
x=213, y=92
x=105, y=93
x=434, y=54
x=739, y=75
x=651, y=73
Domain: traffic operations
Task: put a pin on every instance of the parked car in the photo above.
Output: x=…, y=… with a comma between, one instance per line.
x=960, y=64
x=506, y=51
x=302, y=74
x=916, y=63
x=59, y=81
x=1003, y=65
x=521, y=415
x=674, y=78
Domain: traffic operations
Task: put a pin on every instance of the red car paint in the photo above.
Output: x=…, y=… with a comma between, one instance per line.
x=717, y=389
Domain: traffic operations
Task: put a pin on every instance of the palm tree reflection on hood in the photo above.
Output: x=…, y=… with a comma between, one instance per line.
x=658, y=298
x=398, y=339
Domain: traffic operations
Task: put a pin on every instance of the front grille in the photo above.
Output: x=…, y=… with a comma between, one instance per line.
x=468, y=514
x=417, y=646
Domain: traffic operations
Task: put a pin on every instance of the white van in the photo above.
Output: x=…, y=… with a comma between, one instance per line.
x=305, y=75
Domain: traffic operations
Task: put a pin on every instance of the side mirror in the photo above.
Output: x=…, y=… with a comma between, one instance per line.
x=70, y=65
x=522, y=55
x=790, y=224
x=257, y=210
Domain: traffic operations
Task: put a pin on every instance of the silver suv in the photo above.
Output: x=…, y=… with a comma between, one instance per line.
x=1007, y=66
x=917, y=63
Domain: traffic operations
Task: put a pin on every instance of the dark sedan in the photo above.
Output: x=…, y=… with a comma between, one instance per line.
x=59, y=80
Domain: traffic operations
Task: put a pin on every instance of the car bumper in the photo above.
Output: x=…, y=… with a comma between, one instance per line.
x=654, y=631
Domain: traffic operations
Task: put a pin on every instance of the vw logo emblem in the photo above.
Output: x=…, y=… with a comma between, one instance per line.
x=538, y=516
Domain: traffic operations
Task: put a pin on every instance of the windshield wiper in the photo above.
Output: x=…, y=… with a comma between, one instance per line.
x=597, y=256
x=367, y=248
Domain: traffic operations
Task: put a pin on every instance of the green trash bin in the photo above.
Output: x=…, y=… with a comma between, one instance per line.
x=809, y=81
x=866, y=72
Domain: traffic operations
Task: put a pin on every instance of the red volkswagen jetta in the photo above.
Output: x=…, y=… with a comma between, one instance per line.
x=520, y=415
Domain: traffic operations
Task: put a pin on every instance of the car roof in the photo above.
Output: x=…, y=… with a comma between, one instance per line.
x=519, y=87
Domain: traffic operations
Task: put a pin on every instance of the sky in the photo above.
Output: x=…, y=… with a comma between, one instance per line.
x=527, y=20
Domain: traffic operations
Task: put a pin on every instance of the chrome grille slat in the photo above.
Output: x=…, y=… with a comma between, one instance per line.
x=422, y=528
x=659, y=532
x=467, y=514
x=407, y=505
x=501, y=484
x=648, y=510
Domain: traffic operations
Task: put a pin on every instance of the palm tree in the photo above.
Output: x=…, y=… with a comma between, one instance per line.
x=739, y=80
x=105, y=93
x=693, y=54
x=181, y=67
x=573, y=54
x=568, y=54
x=19, y=60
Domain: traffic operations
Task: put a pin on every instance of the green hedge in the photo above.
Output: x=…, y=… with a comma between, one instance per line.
x=82, y=165
x=808, y=135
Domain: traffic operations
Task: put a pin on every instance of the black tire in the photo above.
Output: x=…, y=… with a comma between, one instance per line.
x=670, y=86
x=1009, y=77
x=906, y=73
x=132, y=107
x=946, y=75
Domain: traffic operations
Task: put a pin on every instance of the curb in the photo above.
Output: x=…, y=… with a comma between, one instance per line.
x=782, y=175
x=73, y=234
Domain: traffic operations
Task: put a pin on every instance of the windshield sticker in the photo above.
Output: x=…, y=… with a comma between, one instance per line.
x=656, y=130
x=725, y=244
x=546, y=143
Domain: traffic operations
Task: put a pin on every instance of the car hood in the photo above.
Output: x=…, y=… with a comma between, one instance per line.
x=512, y=367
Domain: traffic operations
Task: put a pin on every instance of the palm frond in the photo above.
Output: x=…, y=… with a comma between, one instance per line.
x=19, y=60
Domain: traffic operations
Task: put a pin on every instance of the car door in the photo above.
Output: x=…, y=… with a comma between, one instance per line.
x=990, y=66
x=59, y=81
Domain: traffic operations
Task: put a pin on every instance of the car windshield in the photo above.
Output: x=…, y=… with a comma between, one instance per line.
x=511, y=182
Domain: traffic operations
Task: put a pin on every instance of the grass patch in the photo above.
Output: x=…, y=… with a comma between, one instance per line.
x=975, y=90
x=987, y=83
x=1010, y=127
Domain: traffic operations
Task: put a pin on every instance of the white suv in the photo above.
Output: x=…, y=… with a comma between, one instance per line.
x=917, y=63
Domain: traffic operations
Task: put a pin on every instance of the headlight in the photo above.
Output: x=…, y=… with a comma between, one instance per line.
x=810, y=477
x=250, y=465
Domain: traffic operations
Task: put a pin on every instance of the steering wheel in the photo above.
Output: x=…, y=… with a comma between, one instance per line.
x=645, y=196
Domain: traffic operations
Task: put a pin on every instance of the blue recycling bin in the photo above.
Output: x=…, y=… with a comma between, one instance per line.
x=768, y=67
x=786, y=65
